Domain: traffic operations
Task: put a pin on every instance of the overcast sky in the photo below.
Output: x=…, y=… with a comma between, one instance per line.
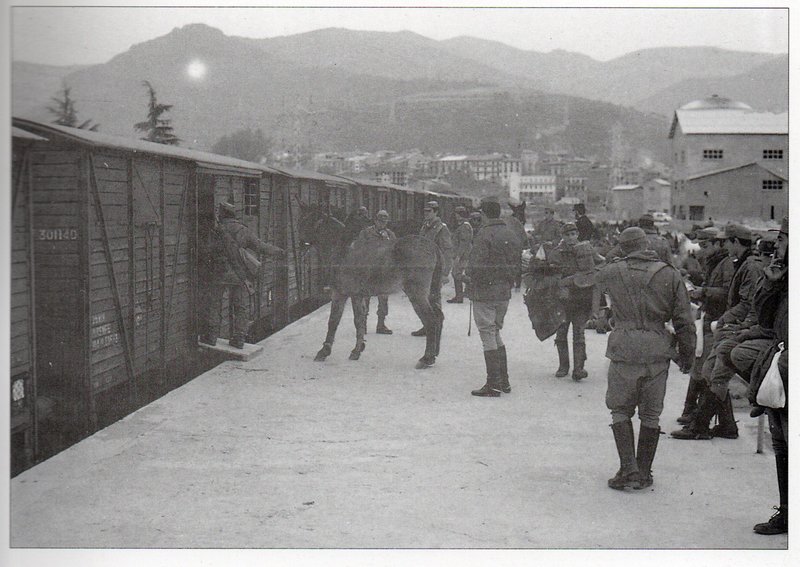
x=61, y=35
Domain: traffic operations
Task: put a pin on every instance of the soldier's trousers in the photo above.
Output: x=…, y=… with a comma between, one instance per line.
x=744, y=355
x=718, y=368
x=238, y=302
x=489, y=317
x=577, y=311
x=632, y=385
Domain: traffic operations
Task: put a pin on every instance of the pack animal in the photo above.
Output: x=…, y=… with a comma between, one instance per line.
x=362, y=270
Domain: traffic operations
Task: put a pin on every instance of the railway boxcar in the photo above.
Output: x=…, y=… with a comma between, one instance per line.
x=22, y=348
x=117, y=227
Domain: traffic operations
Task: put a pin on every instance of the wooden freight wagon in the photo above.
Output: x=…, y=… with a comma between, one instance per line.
x=117, y=228
x=21, y=350
x=308, y=274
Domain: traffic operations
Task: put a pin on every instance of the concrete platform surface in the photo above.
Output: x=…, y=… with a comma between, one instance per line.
x=284, y=452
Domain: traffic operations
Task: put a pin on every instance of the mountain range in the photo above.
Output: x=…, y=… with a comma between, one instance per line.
x=337, y=89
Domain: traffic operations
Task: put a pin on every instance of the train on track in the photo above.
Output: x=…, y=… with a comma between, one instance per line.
x=109, y=268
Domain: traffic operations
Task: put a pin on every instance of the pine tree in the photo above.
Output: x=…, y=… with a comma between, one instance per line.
x=66, y=113
x=158, y=129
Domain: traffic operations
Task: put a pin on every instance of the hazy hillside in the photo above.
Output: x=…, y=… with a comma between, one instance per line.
x=396, y=55
x=39, y=80
x=765, y=88
x=319, y=102
x=625, y=80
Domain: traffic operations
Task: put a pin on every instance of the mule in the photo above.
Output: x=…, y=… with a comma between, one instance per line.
x=360, y=270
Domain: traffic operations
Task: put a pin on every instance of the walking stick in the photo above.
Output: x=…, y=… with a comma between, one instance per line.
x=469, y=330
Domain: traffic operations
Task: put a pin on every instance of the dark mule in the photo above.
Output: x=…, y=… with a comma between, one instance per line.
x=361, y=270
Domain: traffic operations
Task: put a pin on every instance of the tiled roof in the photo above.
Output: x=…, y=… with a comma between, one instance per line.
x=729, y=121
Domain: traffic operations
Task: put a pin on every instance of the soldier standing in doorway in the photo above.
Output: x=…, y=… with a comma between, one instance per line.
x=229, y=273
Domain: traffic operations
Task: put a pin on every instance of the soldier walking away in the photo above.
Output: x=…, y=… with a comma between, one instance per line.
x=490, y=275
x=655, y=241
x=462, y=244
x=584, y=224
x=434, y=229
x=646, y=294
x=229, y=273
x=355, y=222
x=576, y=262
x=379, y=232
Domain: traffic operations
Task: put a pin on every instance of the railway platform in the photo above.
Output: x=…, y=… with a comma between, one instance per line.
x=283, y=452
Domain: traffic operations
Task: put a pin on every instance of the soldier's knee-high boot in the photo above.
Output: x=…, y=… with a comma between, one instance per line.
x=699, y=427
x=727, y=421
x=645, y=453
x=690, y=404
x=579, y=354
x=563, y=359
x=492, y=387
x=502, y=360
x=628, y=474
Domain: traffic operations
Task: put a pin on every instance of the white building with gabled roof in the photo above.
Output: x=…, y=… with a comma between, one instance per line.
x=730, y=163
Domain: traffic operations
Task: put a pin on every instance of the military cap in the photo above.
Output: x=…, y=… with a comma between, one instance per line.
x=580, y=207
x=461, y=210
x=646, y=220
x=432, y=205
x=631, y=234
x=734, y=230
x=382, y=213
x=475, y=215
x=568, y=227
x=363, y=209
x=708, y=233
x=226, y=207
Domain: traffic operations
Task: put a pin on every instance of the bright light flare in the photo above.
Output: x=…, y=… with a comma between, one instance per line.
x=196, y=69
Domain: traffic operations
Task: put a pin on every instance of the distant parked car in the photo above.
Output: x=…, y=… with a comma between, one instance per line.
x=661, y=218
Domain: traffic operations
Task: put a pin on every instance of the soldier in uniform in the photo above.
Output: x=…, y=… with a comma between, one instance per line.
x=576, y=262
x=462, y=244
x=718, y=268
x=548, y=229
x=717, y=368
x=475, y=220
x=357, y=221
x=376, y=233
x=490, y=272
x=646, y=293
x=584, y=224
x=229, y=273
x=655, y=241
x=434, y=229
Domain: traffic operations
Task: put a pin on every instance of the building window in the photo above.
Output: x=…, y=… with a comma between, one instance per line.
x=251, y=198
x=773, y=154
x=772, y=184
x=712, y=154
x=696, y=213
